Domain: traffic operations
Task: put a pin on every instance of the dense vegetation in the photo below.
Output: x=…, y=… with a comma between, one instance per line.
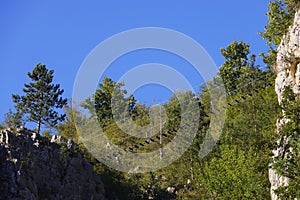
x=237, y=168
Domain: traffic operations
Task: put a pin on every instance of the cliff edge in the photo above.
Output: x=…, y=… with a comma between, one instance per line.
x=33, y=167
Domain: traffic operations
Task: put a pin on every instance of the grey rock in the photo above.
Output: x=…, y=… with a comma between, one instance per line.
x=288, y=50
x=31, y=167
x=70, y=144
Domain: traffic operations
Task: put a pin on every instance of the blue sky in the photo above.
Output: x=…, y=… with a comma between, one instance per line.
x=61, y=34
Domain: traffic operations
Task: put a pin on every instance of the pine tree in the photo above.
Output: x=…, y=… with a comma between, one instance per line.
x=41, y=98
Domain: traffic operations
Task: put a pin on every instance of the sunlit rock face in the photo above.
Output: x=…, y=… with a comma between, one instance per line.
x=33, y=167
x=288, y=74
x=288, y=59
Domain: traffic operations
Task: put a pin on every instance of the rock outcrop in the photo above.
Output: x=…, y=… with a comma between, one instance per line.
x=288, y=59
x=32, y=167
x=288, y=74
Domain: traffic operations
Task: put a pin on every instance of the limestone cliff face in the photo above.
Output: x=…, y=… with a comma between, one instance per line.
x=32, y=167
x=288, y=74
x=288, y=59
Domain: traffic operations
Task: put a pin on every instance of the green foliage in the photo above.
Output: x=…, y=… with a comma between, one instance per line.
x=248, y=129
x=251, y=122
x=238, y=167
x=47, y=134
x=41, y=98
x=101, y=103
x=280, y=17
x=234, y=175
x=240, y=164
x=67, y=129
x=279, y=20
x=123, y=185
x=13, y=119
x=239, y=67
x=288, y=161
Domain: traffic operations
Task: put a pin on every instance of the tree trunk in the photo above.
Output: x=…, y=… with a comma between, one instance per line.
x=38, y=127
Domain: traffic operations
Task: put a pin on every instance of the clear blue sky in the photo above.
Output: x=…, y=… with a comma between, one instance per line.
x=61, y=34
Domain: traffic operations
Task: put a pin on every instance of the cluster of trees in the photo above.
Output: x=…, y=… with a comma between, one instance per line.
x=241, y=155
x=237, y=168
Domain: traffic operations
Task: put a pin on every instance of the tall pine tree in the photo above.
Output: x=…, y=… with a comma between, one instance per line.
x=41, y=98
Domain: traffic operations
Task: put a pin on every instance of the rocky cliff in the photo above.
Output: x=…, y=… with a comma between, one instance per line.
x=33, y=167
x=288, y=74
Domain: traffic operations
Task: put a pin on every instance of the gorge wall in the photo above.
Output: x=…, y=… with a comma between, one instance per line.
x=288, y=74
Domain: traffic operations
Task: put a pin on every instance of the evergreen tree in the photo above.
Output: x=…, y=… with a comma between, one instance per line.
x=41, y=98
